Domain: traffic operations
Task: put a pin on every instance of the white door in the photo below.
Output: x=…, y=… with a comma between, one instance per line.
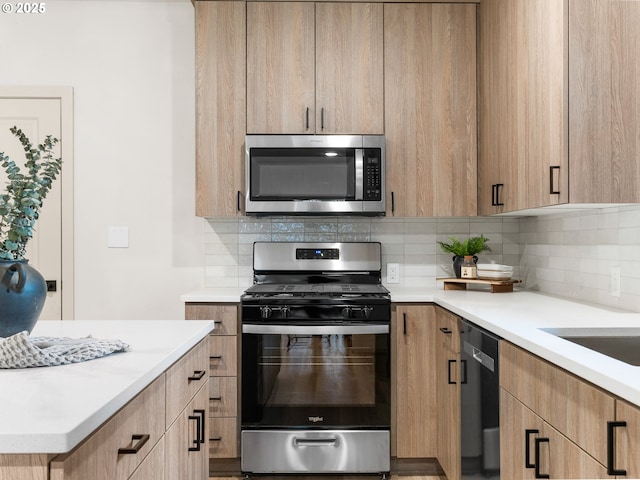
x=37, y=118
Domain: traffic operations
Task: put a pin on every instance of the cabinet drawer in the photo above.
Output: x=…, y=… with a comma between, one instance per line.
x=185, y=378
x=574, y=407
x=102, y=452
x=224, y=316
x=223, y=397
x=223, y=354
x=447, y=329
x=223, y=437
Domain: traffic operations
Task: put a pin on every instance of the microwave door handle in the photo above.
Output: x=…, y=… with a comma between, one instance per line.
x=359, y=164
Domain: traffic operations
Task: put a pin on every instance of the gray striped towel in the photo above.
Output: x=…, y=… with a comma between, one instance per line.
x=22, y=351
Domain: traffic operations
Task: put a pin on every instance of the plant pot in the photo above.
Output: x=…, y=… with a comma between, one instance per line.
x=23, y=292
x=457, y=264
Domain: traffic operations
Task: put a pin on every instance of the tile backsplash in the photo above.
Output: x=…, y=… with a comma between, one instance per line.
x=568, y=254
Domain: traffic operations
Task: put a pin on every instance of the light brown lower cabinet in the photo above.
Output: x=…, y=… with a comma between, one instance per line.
x=448, y=385
x=415, y=384
x=562, y=424
x=148, y=439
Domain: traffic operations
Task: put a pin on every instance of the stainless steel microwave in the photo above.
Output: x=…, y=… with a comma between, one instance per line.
x=315, y=175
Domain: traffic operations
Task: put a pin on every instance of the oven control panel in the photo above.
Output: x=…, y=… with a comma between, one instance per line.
x=317, y=254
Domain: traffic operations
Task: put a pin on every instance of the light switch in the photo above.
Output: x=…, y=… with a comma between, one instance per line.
x=118, y=237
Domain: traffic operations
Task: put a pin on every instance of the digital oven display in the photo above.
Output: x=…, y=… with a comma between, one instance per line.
x=317, y=254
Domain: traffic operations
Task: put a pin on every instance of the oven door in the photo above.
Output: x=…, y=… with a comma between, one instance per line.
x=316, y=377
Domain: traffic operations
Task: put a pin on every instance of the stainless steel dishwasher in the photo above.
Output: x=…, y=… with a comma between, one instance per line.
x=480, y=403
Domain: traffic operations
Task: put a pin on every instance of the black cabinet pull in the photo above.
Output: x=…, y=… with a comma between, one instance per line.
x=322, y=119
x=307, y=119
x=238, y=206
x=611, y=454
x=449, y=381
x=393, y=204
x=463, y=364
x=215, y=357
x=217, y=399
x=404, y=323
x=445, y=330
x=552, y=190
x=537, y=442
x=493, y=195
x=527, y=447
x=201, y=433
x=197, y=375
x=196, y=442
x=215, y=439
x=140, y=441
x=498, y=202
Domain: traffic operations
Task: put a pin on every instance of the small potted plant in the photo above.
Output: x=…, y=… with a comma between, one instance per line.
x=22, y=288
x=470, y=247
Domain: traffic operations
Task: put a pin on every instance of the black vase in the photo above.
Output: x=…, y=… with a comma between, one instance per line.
x=457, y=264
x=23, y=292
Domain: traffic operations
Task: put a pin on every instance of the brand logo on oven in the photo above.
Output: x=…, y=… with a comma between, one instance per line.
x=316, y=419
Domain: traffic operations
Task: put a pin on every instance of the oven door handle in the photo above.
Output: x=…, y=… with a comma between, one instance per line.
x=351, y=329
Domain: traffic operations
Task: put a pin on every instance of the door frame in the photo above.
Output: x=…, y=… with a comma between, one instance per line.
x=65, y=95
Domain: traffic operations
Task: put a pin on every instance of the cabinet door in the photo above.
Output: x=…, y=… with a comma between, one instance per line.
x=152, y=468
x=448, y=393
x=430, y=109
x=415, y=381
x=627, y=440
x=187, y=440
x=349, y=68
x=530, y=447
x=280, y=67
x=523, y=105
x=604, y=67
x=220, y=107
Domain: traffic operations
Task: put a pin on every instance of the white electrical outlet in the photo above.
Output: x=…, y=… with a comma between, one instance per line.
x=615, y=281
x=393, y=273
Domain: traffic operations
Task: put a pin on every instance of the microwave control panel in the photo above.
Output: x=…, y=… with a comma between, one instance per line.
x=372, y=174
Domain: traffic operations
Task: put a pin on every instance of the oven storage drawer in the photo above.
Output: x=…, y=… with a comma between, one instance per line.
x=313, y=451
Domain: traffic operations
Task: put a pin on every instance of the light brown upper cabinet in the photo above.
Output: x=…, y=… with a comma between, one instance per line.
x=220, y=107
x=430, y=109
x=558, y=97
x=314, y=68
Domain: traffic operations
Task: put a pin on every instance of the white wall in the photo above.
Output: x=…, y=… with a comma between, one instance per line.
x=131, y=65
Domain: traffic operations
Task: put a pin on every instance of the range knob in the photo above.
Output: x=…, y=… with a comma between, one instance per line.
x=346, y=312
x=365, y=312
x=265, y=312
x=285, y=312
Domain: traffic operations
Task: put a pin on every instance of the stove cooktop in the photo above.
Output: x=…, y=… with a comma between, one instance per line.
x=285, y=289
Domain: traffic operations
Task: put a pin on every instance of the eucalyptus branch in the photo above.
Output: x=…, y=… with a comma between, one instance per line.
x=21, y=203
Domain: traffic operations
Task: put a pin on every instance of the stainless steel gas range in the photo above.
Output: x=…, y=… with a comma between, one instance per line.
x=316, y=381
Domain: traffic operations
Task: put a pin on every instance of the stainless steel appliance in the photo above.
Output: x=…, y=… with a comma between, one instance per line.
x=315, y=174
x=480, y=403
x=316, y=382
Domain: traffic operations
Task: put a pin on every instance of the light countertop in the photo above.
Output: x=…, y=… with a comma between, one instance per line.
x=519, y=317
x=52, y=409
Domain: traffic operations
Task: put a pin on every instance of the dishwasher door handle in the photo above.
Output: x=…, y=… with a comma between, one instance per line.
x=479, y=356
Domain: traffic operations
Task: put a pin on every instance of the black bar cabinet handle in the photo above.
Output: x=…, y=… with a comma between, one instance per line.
x=527, y=447
x=197, y=375
x=322, y=118
x=404, y=323
x=140, y=441
x=307, y=118
x=216, y=399
x=449, y=381
x=238, y=206
x=196, y=442
x=215, y=357
x=611, y=455
x=463, y=364
x=493, y=195
x=202, y=414
x=215, y=439
x=445, y=330
x=393, y=203
x=537, y=443
x=498, y=187
x=552, y=190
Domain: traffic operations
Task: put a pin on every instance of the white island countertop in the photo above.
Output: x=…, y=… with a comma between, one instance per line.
x=52, y=409
x=521, y=317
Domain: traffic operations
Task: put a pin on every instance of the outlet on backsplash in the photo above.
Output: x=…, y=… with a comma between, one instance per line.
x=393, y=273
x=615, y=281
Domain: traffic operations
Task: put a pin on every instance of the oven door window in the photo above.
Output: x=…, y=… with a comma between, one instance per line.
x=302, y=174
x=315, y=381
